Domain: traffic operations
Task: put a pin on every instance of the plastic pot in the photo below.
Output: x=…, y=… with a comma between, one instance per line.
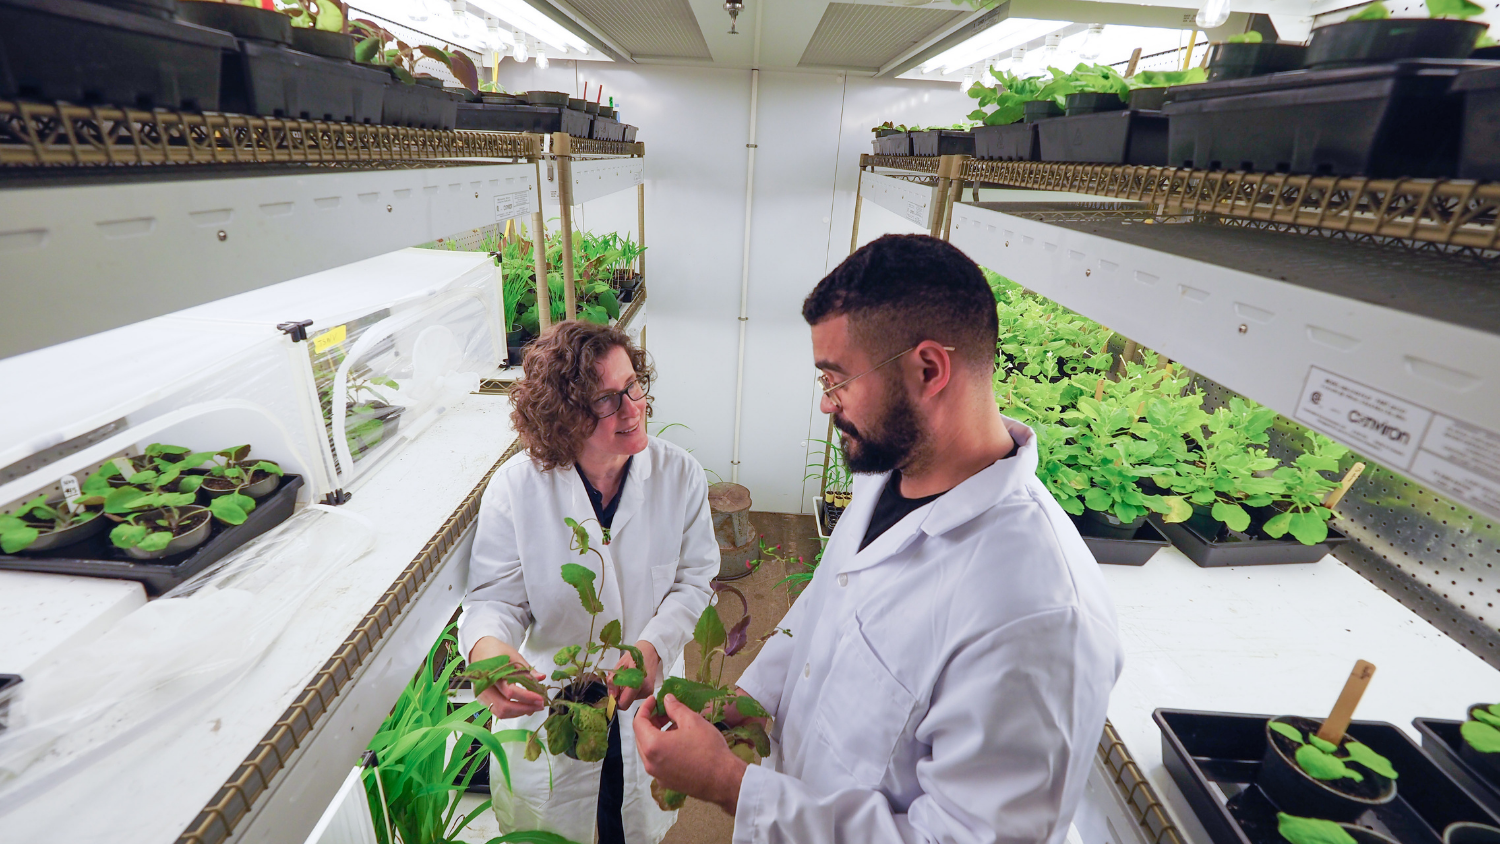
x=272, y=81
x=1106, y=137
x=1487, y=764
x=1109, y=526
x=1013, y=142
x=251, y=22
x=590, y=694
x=499, y=99
x=547, y=98
x=163, y=9
x=942, y=142
x=200, y=521
x=1372, y=42
x=898, y=143
x=70, y=535
x=591, y=108
x=329, y=45
x=1296, y=793
x=1479, y=146
x=607, y=111
x=261, y=484
x=1090, y=102
x=1040, y=110
x=1148, y=99
x=420, y=106
x=1237, y=61
x=1468, y=832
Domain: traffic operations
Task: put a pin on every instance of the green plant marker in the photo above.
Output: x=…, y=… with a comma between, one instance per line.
x=1311, y=830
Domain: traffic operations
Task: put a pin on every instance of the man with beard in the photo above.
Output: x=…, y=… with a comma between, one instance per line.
x=948, y=669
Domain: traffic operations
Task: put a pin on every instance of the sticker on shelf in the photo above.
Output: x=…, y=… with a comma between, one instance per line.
x=514, y=204
x=1452, y=457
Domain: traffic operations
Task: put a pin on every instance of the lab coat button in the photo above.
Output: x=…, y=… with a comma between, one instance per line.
x=843, y=580
x=807, y=670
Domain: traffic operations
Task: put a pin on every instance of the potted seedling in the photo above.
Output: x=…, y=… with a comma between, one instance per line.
x=580, y=707
x=152, y=520
x=410, y=101
x=834, y=480
x=1481, y=739
x=369, y=417
x=1303, y=501
x=1006, y=131
x=1315, y=769
x=243, y=18
x=1248, y=54
x=1298, y=830
x=233, y=471
x=1371, y=35
x=320, y=27
x=42, y=525
x=709, y=695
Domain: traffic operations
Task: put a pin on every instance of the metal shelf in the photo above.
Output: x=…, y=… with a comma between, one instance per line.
x=1383, y=347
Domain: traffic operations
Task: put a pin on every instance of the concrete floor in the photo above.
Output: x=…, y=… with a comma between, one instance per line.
x=698, y=822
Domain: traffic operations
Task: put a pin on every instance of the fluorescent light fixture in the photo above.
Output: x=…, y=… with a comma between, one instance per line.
x=997, y=39
x=522, y=16
x=1213, y=13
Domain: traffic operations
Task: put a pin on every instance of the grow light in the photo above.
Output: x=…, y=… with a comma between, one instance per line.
x=522, y=16
x=1001, y=37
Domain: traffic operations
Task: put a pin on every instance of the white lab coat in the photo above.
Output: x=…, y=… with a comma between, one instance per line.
x=654, y=579
x=946, y=684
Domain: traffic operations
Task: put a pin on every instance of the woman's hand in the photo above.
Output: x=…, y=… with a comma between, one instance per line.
x=626, y=696
x=506, y=700
x=733, y=718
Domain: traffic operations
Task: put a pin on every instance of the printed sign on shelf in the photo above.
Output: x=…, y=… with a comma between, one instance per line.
x=1452, y=457
x=514, y=204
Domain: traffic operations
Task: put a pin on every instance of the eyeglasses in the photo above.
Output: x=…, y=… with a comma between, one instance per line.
x=609, y=404
x=829, y=388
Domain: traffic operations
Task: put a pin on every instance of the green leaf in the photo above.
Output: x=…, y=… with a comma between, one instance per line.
x=566, y=655
x=689, y=693
x=1481, y=736
x=18, y=538
x=330, y=17
x=560, y=733
x=127, y=535
x=1311, y=830
x=1232, y=515
x=1288, y=730
x=1363, y=755
x=630, y=677
x=1322, y=766
x=1488, y=716
x=611, y=303
x=1251, y=37
x=403, y=75
x=610, y=635
x=1461, y=9
x=123, y=500
x=1179, y=510
x=155, y=541
x=1309, y=528
x=1322, y=744
x=580, y=536
x=582, y=579
x=229, y=509
x=1372, y=12
x=709, y=632
x=593, y=733
x=531, y=836
x=1277, y=525
x=750, y=708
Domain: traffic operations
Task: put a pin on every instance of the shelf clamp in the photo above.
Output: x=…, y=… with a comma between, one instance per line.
x=337, y=497
x=296, y=330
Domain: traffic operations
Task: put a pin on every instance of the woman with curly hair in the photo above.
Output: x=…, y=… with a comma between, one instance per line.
x=581, y=412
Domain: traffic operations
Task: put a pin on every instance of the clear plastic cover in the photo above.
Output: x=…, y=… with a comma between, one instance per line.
x=175, y=655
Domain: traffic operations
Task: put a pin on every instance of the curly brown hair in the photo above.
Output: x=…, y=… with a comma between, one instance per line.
x=550, y=406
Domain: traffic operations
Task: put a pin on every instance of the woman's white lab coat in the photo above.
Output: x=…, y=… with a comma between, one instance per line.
x=654, y=579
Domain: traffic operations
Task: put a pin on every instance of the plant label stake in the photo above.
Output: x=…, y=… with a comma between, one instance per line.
x=122, y=464
x=1135, y=59
x=71, y=493
x=1337, y=722
x=1337, y=495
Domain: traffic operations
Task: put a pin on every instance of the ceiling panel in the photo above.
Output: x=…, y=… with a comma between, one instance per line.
x=865, y=37
x=647, y=29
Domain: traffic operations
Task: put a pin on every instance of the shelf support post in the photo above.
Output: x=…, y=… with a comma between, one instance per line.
x=562, y=151
x=859, y=178
x=640, y=229
x=539, y=251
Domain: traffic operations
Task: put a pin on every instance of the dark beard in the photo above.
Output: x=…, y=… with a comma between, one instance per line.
x=888, y=443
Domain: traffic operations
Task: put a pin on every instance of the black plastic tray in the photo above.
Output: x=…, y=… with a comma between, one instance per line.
x=1013, y=142
x=1108, y=137
x=1214, y=758
x=273, y=81
x=1124, y=552
x=1388, y=120
x=1250, y=552
x=1440, y=738
x=87, y=53
x=96, y=557
x=607, y=129
x=628, y=133
x=417, y=106
x=942, y=142
x=897, y=144
x=1479, y=147
x=523, y=118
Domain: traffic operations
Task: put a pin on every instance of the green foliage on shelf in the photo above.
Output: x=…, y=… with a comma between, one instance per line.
x=1482, y=730
x=1311, y=830
x=1006, y=101
x=1251, y=37
x=1319, y=759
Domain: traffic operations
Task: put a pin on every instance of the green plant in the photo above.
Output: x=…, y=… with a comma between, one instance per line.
x=379, y=46
x=1008, y=99
x=706, y=693
x=154, y=504
x=1482, y=730
x=835, y=477
x=1303, y=490
x=325, y=15
x=1311, y=830
x=1460, y=9
x=1226, y=474
x=234, y=464
x=1251, y=37
x=18, y=530
x=1319, y=759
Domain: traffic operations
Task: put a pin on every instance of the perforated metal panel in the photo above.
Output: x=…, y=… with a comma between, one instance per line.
x=1436, y=557
x=861, y=37
x=659, y=29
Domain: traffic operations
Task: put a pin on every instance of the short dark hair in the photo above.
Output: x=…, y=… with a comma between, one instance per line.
x=901, y=289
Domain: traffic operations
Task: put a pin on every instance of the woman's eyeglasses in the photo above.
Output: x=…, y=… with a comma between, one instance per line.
x=608, y=404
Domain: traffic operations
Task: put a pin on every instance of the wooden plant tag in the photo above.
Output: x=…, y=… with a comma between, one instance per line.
x=1337, y=722
x=71, y=492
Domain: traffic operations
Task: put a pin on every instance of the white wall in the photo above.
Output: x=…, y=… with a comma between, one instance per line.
x=694, y=122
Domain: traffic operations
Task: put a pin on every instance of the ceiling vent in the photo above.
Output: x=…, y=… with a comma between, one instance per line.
x=648, y=29
x=863, y=37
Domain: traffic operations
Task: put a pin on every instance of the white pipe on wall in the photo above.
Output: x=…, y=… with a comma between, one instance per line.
x=739, y=376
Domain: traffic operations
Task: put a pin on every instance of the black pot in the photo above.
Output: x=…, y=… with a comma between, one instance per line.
x=185, y=541
x=1204, y=523
x=429, y=81
x=1486, y=763
x=607, y=111
x=591, y=108
x=547, y=98
x=1148, y=99
x=1296, y=793
x=73, y=534
x=575, y=103
x=330, y=45
x=1371, y=42
x=1467, y=832
x=1040, y=110
x=1237, y=61
x=163, y=9
x=248, y=22
x=462, y=94
x=1108, y=526
x=1090, y=102
x=499, y=99
x=590, y=694
x=881, y=133
x=1489, y=54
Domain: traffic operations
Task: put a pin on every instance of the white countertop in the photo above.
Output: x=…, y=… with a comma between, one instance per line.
x=42, y=615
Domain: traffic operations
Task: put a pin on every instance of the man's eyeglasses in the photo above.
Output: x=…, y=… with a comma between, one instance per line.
x=830, y=388
x=608, y=404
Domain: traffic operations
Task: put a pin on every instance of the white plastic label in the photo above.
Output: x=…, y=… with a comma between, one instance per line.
x=513, y=204
x=1452, y=457
x=71, y=492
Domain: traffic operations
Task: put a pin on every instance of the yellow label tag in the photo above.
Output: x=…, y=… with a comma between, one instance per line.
x=331, y=337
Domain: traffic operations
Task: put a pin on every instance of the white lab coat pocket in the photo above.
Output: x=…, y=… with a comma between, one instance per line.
x=663, y=575
x=860, y=689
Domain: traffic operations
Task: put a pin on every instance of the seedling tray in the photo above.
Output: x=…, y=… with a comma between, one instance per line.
x=1479, y=148
x=607, y=129
x=1214, y=757
x=1109, y=137
x=1383, y=121
x=1014, y=142
x=1441, y=740
x=942, y=142
x=523, y=118
x=1123, y=552
x=87, y=53
x=1244, y=552
x=417, y=106
x=273, y=81
x=897, y=144
x=96, y=557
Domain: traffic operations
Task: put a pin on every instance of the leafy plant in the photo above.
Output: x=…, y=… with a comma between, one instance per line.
x=154, y=504
x=1372, y=12
x=1251, y=37
x=1230, y=454
x=325, y=15
x=1482, y=730
x=1007, y=100
x=234, y=465
x=1460, y=9
x=379, y=46
x=1319, y=759
x=20, y=529
x=1303, y=491
x=1311, y=830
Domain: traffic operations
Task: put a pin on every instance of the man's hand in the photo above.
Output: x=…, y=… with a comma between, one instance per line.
x=506, y=700
x=690, y=756
x=733, y=718
x=626, y=696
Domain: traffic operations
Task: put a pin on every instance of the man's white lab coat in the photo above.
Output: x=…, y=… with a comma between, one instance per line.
x=654, y=579
x=946, y=684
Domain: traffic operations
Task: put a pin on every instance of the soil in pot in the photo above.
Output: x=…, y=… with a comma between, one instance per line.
x=251, y=22
x=193, y=531
x=261, y=484
x=1467, y=832
x=1374, y=41
x=1297, y=792
x=1109, y=526
x=589, y=693
x=331, y=45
